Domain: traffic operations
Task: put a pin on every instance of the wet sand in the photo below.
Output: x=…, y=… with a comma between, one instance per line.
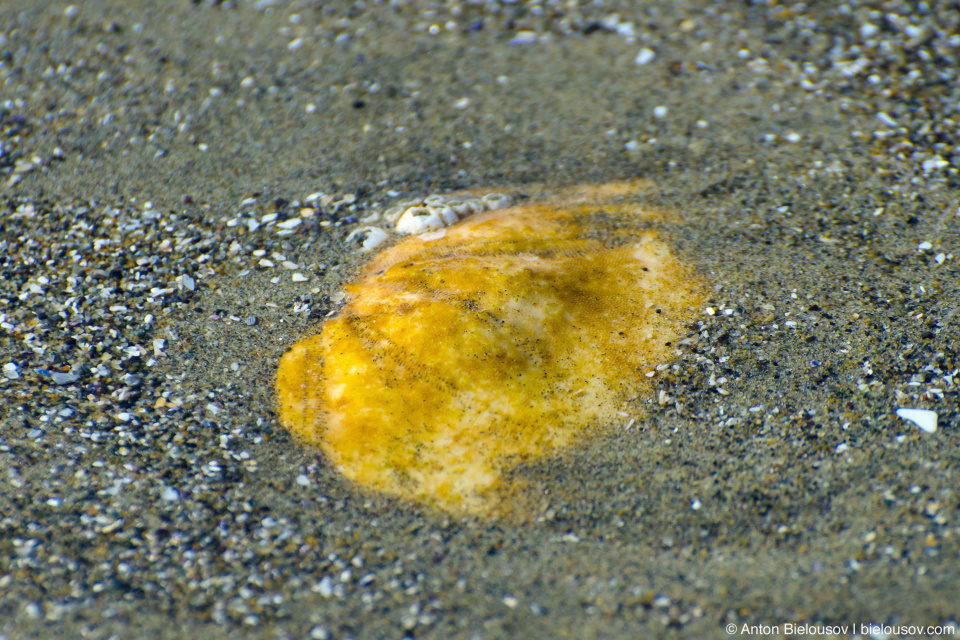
x=150, y=153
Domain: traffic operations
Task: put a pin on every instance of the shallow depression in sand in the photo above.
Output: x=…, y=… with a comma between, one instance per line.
x=500, y=338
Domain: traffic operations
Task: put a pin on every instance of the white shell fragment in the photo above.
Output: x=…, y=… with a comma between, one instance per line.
x=375, y=236
x=422, y=219
x=923, y=418
x=427, y=217
x=436, y=211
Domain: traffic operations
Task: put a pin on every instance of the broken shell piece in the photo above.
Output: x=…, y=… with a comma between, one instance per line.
x=494, y=201
x=464, y=208
x=923, y=418
x=421, y=219
x=436, y=211
x=448, y=215
x=392, y=214
x=373, y=238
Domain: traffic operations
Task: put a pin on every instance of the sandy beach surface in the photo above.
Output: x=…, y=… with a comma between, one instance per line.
x=177, y=183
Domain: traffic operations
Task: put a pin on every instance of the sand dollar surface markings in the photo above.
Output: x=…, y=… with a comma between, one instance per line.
x=500, y=338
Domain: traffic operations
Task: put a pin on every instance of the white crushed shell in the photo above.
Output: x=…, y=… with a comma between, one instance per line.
x=436, y=211
x=433, y=235
x=524, y=37
x=299, y=277
x=923, y=418
x=886, y=119
x=375, y=236
x=645, y=56
x=934, y=164
x=324, y=587
x=292, y=223
x=420, y=219
x=64, y=378
x=185, y=281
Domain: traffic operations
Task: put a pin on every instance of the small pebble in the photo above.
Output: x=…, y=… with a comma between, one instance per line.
x=645, y=56
x=64, y=378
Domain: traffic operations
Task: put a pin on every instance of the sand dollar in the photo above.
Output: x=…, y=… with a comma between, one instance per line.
x=497, y=339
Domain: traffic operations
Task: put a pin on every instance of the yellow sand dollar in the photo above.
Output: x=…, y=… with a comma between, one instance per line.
x=497, y=339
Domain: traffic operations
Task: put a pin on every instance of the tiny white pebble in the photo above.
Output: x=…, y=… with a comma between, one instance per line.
x=299, y=277
x=524, y=37
x=295, y=44
x=885, y=119
x=660, y=112
x=185, y=281
x=793, y=136
x=934, y=164
x=645, y=56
